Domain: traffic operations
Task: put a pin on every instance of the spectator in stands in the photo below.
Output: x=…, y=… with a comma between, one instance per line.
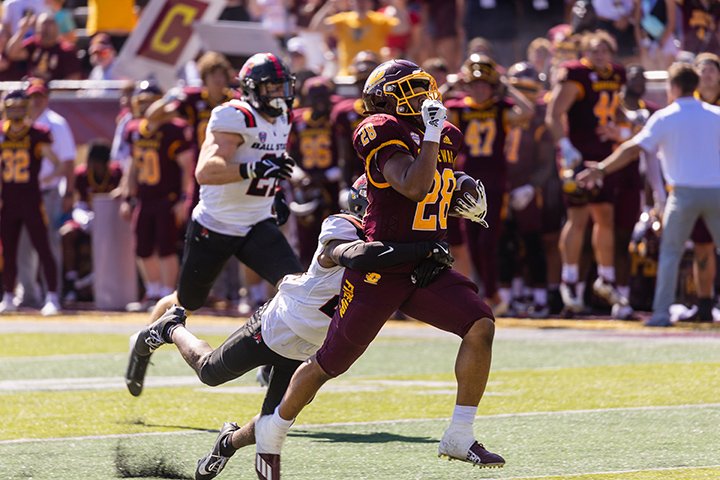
x=97, y=175
x=14, y=10
x=297, y=49
x=655, y=25
x=117, y=18
x=355, y=30
x=102, y=58
x=64, y=20
x=405, y=40
x=22, y=147
x=687, y=133
x=57, y=190
x=616, y=17
x=275, y=17
x=700, y=20
x=9, y=70
x=440, y=26
x=47, y=57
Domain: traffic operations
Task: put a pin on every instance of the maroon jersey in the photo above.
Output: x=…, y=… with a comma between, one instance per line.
x=524, y=144
x=154, y=156
x=596, y=105
x=86, y=185
x=699, y=26
x=196, y=109
x=485, y=129
x=21, y=156
x=390, y=215
x=51, y=63
x=346, y=115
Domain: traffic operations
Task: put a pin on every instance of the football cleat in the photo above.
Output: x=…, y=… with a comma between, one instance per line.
x=608, y=292
x=573, y=302
x=144, y=342
x=213, y=463
x=7, y=305
x=51, y=307
x=453, y=448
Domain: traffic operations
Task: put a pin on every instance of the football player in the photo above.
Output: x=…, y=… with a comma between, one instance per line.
x=530, y=153
x=292, y=325
x=316, y=191
x=485, y=116
x=158, y=183
x=22, y=148
x=586, y=100
x=409, y=150
x=241, y=162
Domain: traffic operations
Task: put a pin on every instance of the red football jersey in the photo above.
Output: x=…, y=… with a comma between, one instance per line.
x=311, y=142
x=390, y=215
x=700, y=26
x=523, y=147
x=346, y=115
x=596, y=105
x=21, y=156
x=86, y=185
x=485, y=129
x=154, y=155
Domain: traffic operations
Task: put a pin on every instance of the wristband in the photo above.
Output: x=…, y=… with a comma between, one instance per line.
x=245, y=171
x=432, y=134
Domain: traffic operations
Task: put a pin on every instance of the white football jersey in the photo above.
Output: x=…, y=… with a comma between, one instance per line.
x=295, y=321
x=233, y=208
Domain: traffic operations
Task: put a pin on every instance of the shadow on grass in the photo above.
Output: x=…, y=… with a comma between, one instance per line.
x=375, y=437
x=139, y=421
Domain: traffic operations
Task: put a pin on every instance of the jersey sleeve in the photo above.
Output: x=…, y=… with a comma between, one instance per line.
x=337, y=228
x=231, y=119
x=378, y=138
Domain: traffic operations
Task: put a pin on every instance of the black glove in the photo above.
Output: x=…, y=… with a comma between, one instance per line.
x=282, y=210
x=439, y=260
x=269, y=167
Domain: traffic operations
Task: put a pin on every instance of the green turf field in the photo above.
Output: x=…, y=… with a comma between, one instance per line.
x=564, y=402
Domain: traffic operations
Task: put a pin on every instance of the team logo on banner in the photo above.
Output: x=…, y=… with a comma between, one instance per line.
x=172, y=29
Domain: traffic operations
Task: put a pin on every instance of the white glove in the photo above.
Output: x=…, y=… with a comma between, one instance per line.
x=471, y=208
x=175, y=94
x=521, y=197
x=434, y=115
x=571, y=157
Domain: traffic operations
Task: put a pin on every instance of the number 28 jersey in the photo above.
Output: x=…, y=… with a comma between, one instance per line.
x=233, y=208
x=596, y=105
x=390, y=215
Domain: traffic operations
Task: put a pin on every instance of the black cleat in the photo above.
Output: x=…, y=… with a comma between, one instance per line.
x=213, y=463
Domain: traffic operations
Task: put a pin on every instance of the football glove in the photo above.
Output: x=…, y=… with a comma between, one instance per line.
x=471, y=208
x=270, y=167
x=434, y=115
x=440, y=252
x=521, y=197
x=282, y=210
x=426, y=271
x=571, y=156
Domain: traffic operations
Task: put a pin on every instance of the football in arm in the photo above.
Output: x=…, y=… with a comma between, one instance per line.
x=465, y=185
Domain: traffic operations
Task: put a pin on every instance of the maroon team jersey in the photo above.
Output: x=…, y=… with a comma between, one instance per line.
x=196, y=109
x=346, y=115
x=154, y=155
x=311, y=142
x=700, y=26
x=86, y=185
x=523, y=146
x=51, y=63
x=484, y=126
x=596, y=105
x=21, y=156
x=391, y=216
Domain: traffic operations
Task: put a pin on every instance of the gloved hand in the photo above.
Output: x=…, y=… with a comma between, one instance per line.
x=471, y=208
x=426, y=271
x=269, y=167
x=521, y=197
x=440, y=252
x=571, y=156
x=434, y=115
x=282, y=210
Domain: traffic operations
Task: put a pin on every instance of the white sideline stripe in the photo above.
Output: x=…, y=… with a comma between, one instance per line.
x=608, y=472
x=388, y=422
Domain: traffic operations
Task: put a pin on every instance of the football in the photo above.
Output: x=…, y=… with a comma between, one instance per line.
x=465, y=184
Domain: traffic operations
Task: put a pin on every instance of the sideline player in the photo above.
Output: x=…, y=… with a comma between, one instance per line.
x=409, y=152
x=291, y=326
x=586, y=99
x=241, y=162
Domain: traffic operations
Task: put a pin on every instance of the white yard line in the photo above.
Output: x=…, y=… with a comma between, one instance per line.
x=319, y=426
x=608, y=472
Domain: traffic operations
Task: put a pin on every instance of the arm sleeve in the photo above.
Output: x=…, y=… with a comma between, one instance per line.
x=368, y=256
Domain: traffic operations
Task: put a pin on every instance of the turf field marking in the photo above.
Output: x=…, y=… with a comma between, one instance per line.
x=318, y=426
x=609, y=472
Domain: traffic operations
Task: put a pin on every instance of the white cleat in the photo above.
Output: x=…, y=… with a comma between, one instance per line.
x=466, y=449
x=51, y=308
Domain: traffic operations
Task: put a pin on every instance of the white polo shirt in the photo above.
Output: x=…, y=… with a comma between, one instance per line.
x=63, y=145
x=687, y=135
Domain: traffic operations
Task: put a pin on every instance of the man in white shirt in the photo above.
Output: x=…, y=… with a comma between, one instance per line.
x=14, y=10
x=57, y=192
x=687, y=134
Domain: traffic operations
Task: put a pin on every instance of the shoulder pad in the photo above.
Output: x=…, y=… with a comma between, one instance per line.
x=232, y=117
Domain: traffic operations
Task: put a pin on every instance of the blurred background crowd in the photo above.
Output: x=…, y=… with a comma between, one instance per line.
x=63, y=54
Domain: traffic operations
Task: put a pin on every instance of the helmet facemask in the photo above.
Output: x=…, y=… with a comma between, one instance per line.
x=271, y=104
x=405, y=89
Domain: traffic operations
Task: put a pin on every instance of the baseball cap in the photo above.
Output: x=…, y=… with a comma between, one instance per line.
x=296, y=45
x=36, y=85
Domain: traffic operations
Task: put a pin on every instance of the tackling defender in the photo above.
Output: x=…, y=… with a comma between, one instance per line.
x=241, y=162
x=291, y=326
x=409, y=152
